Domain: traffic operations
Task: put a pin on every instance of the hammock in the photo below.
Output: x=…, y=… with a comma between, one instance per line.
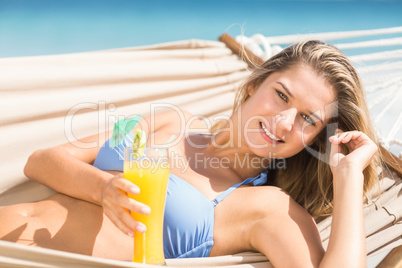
x=49, y=100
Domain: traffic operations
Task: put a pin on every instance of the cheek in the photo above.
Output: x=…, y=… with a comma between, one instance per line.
x=305, y=137
x=309, y=135
x=264, y=105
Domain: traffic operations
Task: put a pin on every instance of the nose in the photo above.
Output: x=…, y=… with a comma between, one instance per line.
x=286, y=119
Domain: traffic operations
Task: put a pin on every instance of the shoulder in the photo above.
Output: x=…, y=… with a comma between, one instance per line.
x=264, y=202
x=264, y=197
x=274, y=203
x=283, y=222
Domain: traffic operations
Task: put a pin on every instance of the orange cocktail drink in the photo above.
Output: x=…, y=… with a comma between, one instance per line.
x=150, y=172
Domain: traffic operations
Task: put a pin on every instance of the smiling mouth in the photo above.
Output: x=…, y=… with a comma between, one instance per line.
x=269, y=134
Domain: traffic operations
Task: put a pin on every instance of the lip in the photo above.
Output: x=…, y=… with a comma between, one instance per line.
x=268, y=138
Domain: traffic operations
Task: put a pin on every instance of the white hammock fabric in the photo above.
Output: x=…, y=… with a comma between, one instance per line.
x=49, y=100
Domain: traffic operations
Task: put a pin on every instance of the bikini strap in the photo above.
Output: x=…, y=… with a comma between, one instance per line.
x=257, y=181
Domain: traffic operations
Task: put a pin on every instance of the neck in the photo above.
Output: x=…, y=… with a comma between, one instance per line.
x=226, y=152
x=232, y=153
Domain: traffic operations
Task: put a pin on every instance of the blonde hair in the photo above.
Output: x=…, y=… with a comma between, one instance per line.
x=306, y=178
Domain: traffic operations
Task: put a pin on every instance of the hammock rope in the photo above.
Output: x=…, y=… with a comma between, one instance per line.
x=373, y=43
x=288, y=39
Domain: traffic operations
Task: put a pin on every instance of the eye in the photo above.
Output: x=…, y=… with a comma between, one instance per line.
x=308, y=119
x=282, y=96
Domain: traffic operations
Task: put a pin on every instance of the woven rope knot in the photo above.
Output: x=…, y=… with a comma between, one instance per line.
x=259, y=46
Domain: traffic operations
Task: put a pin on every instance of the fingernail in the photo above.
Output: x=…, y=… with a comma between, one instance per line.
x=134, y=190
x=146, y=210
x=141, y=228
x=130, y=234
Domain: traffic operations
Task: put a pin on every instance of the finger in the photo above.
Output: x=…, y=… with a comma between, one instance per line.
x=345, y=137
x=355, y=135
x=356, y=139
x=115, y=198
x=361, y=148
x=335, y=154
x=133, y=205
x=125, y=222
x=127, y=219
x=126, y=185
x=335, y=138
x=119, y=224
x=353, y=140
x=133, y=224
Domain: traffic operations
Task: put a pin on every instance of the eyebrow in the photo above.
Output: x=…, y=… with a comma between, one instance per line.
x=291, y=95
x=286, y=89
x=316, y=116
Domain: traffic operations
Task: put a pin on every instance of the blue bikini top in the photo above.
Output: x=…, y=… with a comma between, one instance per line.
x=189, y=216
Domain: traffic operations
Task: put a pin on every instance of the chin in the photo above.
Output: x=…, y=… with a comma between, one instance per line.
x=265, y=153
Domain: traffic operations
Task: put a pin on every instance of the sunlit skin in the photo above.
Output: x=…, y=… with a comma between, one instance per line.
x=293, y=105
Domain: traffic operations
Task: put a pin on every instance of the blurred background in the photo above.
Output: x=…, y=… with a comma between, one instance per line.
x=42, y=27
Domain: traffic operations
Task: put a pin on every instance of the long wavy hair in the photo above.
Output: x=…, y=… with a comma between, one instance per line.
x=307, y=178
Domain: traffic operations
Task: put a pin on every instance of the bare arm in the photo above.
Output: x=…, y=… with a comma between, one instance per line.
x=347, y=247
x=286, y=233
x=288, y=236
x=67, y=169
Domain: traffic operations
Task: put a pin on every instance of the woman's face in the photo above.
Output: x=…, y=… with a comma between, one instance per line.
x=286, y=112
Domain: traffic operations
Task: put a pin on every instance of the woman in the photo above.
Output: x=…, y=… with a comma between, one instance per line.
x=284, y=110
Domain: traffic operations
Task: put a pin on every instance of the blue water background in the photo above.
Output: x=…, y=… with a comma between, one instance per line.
x=42, y=27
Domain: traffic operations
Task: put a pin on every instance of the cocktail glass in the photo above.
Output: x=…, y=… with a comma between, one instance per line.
x=149, y=170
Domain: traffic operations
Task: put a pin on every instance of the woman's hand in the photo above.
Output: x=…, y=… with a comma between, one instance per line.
x=116, y=205
x=361, y=150
x=347, y=242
